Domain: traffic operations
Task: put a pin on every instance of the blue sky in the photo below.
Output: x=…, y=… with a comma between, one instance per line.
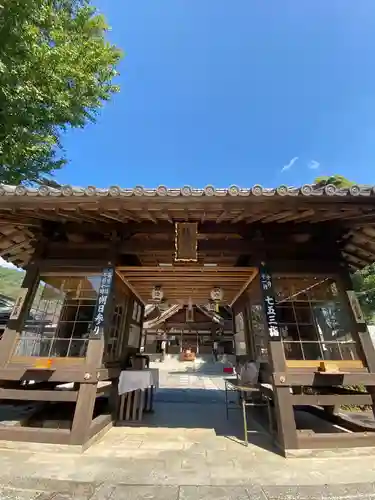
x=242, y=92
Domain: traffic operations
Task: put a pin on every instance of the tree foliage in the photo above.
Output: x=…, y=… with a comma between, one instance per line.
x=337, y=180
x=56, y=70
x=364, y=285
x=10, y=282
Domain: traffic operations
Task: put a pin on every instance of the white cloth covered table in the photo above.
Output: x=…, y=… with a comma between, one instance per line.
x=133, y=380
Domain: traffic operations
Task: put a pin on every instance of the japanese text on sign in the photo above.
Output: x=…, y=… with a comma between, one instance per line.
x=265, y=281
x=271, y=316
x=269, y=303
x=104, y=291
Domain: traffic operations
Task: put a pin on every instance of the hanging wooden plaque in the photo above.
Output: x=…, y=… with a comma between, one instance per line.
x=186, y=242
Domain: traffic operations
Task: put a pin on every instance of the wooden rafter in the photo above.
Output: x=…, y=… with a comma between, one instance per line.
x=197, y=282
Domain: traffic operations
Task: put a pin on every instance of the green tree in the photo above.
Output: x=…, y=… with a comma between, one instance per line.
x=56, y=70
x=364, y=285
x=337, y=180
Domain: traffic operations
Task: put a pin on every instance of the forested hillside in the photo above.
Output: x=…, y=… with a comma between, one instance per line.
x=10, y=281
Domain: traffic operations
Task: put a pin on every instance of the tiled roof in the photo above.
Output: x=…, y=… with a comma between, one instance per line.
x=23, y=208
x=186, y=191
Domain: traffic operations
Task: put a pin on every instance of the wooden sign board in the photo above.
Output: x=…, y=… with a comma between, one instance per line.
x=186, y=242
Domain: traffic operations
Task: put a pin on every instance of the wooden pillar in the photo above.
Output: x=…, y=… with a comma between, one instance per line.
x=84, y=409
x=286, y=425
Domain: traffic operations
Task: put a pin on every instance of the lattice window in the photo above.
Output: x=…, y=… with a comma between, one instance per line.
x=60, y=317
x=312, y=320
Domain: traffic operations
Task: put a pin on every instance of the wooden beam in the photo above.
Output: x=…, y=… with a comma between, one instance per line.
x=189, y=270
x=38, y=395
x=298, y=378
x=60, y=375
x=35, y=435
x=46, y=265
x=339, y=440
x=130, y=286
x=331, y=399
x=244, y=287
x=204, y=228
x=293, y=268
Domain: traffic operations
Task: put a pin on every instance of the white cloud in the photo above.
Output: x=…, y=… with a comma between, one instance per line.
x=314, y=165
x=290, y=164
x=4, y=263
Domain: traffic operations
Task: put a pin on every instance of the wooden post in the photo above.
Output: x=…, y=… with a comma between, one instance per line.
x=286, y=425
x=84, y=409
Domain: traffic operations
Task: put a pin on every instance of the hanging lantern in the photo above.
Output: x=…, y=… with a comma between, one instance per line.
x=163, y=306
x=217, y=294
x=211, y=306
x=157, y=294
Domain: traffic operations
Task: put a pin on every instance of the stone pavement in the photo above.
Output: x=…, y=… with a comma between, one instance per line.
x=187, y=450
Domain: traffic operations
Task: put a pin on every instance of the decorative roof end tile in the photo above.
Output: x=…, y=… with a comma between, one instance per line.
x=233, y=190
x=355, y=190
x=115, y=191
x=162, y=190
x=209, y=190
x=186, y=191
x=282, y=190
x=257, y=190
x=139, y=190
